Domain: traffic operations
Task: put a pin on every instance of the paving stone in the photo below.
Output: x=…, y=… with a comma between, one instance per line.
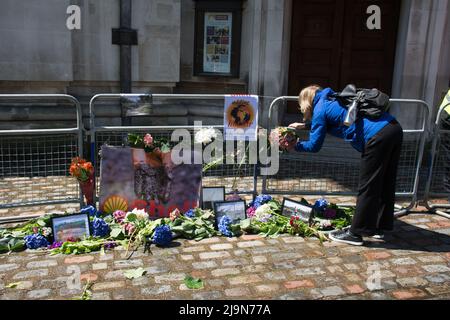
x=310, y=262
x=78, y=260
x=211, y=295
x=355, y=289
x=409, y=294
x=31, y=274
x=194, y=249
x=436, y=268
x=216, y=283
x=171, y=277
x=412, y=282
x=284, y=265
x=237, y=292
x=265, y=288
x=108, y=285
x=438, y=278
x=116, y=274
x=431, y=259
x=8, y=267
x=101, y=296
x=214, y=255
x=235, y=262
x=252, y=278
x=403, y=261
x=239, y=253
x=99, y=266
x=38, y=294
x=221, y=246
x=299, y=284
x=204, y=264
x=156, y=269
x=254, y=268
x=290, y=240
x=377, y=255
x=293, y=296
x=275, y=276
x=259, y=259
x=308, y=271
x=141, y=281
x=128, y=264
x=250, y=244
x=156, y=290
x=332, y=291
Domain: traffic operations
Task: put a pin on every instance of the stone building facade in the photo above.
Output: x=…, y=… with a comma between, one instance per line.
x=39, y=54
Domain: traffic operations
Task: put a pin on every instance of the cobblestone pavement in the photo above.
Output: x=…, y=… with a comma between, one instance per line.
x=412, y=263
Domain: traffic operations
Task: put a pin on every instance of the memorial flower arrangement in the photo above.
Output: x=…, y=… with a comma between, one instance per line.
x=83, y=171
x=134, y=228
x=285, y=137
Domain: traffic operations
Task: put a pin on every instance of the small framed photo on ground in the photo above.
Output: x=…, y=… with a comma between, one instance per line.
x=211, y=195
x=73, y=226
x=233, y=209
x=295, y=208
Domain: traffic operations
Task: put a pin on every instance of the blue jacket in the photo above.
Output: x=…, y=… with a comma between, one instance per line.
x=329, y=115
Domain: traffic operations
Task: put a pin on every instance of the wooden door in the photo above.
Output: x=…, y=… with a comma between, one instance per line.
x=332, y=46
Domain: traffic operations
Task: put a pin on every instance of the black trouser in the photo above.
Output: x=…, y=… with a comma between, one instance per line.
x=376, y=192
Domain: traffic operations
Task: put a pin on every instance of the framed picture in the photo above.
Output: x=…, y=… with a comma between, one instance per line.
x=74, y=226
x=233, y=209
x=292, y=207
x=211, y=195
x=217, y=39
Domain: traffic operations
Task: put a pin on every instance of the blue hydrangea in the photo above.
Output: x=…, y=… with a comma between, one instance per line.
x=321, y=205
x=224, y=226
x=35, y=241
x=90, y=210
x=190, y=213
x=162, y=235
x=99, y=228
x=260, y=200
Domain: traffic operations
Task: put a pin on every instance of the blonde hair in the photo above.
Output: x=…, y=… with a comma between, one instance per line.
x=305, y=100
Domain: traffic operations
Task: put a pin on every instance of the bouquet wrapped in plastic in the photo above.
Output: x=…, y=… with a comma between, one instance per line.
x=286, y=137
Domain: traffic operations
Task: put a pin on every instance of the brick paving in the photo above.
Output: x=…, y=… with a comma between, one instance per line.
x=413, y=263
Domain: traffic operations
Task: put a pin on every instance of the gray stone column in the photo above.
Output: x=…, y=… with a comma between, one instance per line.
x=422, y=67
x=269, y=67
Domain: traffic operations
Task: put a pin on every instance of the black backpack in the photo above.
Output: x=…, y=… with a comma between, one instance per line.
x=372, y=103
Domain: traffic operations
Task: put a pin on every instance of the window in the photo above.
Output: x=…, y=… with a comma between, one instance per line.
x=217, y=38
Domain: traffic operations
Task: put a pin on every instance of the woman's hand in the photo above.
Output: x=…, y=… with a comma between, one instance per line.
x=298, y=125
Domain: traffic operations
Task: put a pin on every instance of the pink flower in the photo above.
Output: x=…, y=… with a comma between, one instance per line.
x=119, y=215
x=129, y=228
x=329, y=213
x=148, y=139
x=251, y=212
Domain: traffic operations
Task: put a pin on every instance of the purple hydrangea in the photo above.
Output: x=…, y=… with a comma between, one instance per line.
x=90, y=210
x=35, y=241
x=224, y=226
x=321, y=205
x=260, y=200
x=99, y=228
x=110, y=245
x=56, y=244
x=190, y=213
x=162, y=235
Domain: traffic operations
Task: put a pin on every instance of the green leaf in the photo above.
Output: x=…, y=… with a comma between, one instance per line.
x=41, y=223
x=193, y=283
x=134, y=273
x=131, y=217
x=13, y=285
x=116, y=232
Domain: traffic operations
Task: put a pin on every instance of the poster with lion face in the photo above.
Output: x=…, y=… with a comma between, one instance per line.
x=132, y=178
x=241, y=117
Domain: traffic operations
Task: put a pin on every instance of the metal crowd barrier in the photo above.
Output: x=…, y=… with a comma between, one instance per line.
x=34, y=162
x=334, y=171
x=438, y=182
x=222, y=175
